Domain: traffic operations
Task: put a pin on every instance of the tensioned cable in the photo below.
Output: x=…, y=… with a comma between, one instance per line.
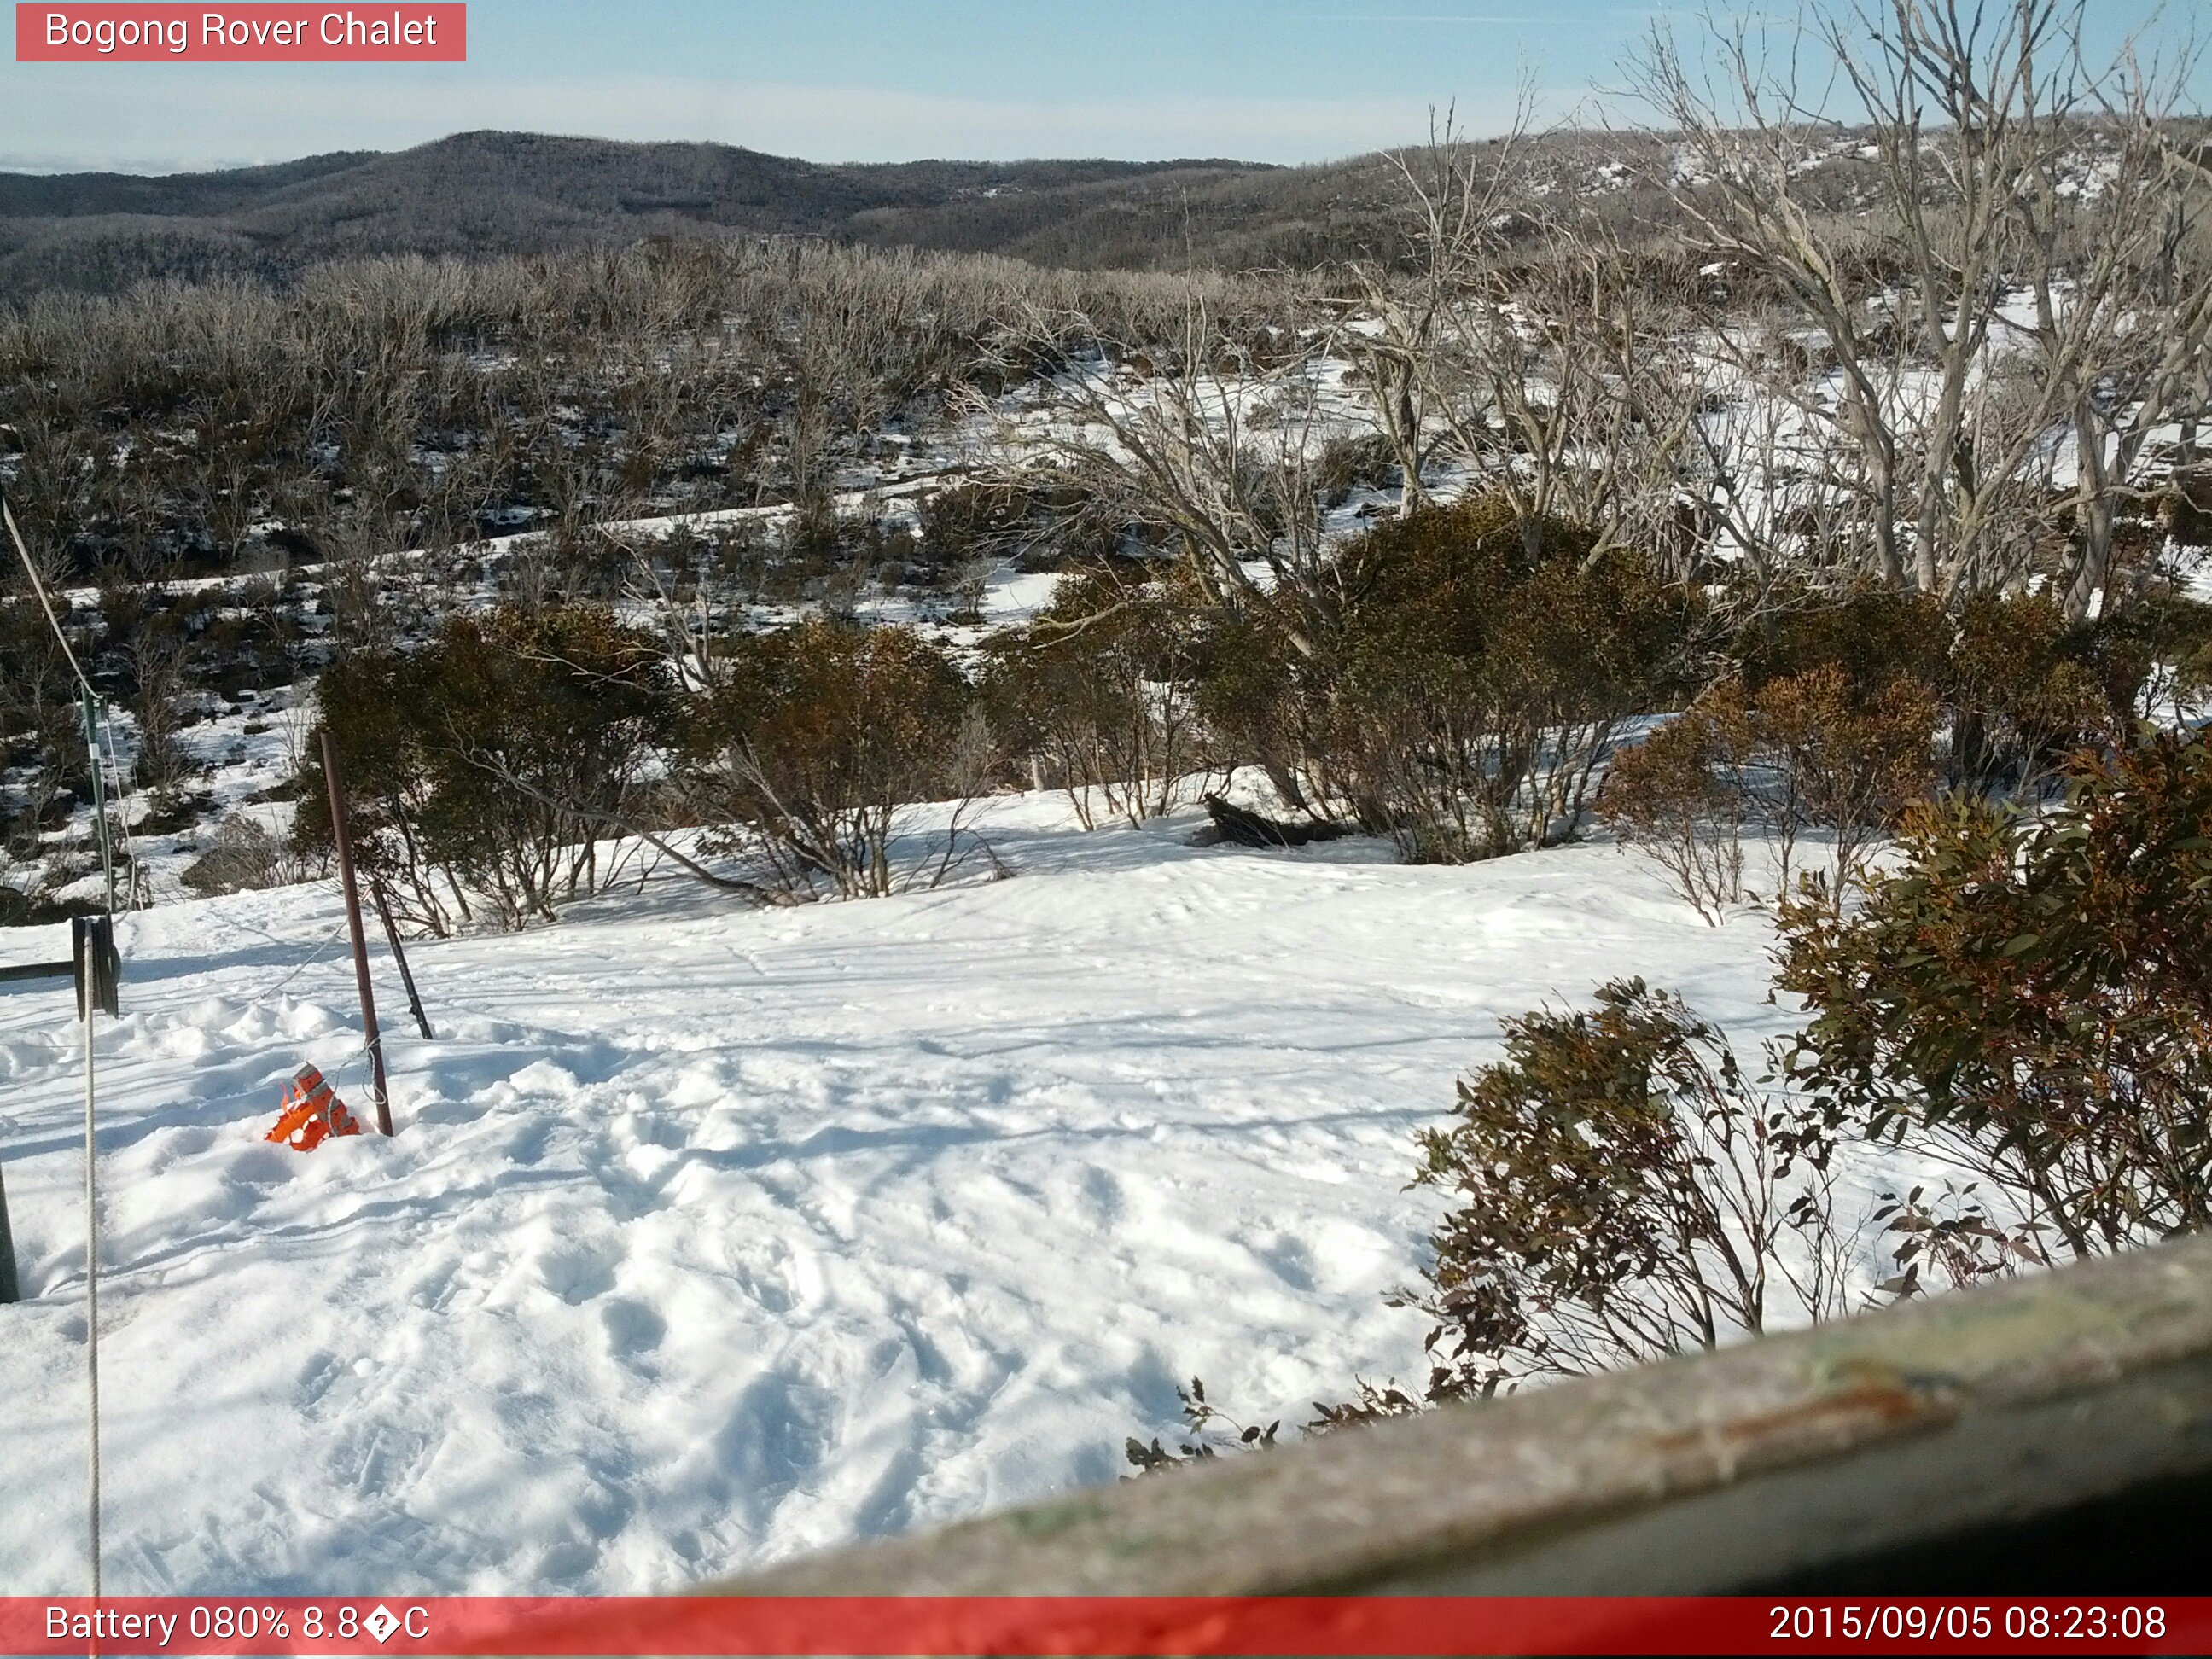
x=112, y=761
x=45, y=601
x=321, y=949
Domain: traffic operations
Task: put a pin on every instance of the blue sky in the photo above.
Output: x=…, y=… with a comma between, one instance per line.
x=874, y=80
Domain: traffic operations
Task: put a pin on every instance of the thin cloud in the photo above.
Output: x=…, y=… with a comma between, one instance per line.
x=1400, y=17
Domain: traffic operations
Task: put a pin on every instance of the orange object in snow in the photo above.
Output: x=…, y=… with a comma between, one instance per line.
x=311, y=1113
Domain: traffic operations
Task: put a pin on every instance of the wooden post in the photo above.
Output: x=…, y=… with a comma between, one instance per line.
x=391, y=934
x=342, y=836
x=98, y=793
x=10, y=1289
x=98, y=972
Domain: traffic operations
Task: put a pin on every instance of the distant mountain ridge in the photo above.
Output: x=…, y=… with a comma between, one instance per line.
x=502, y=192
x=77, y=195
x=485, y=194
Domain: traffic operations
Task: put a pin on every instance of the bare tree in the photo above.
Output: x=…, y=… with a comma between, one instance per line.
x=1455, y=203
x=1202, y=441
x=1522, y=345
x=2022, y=257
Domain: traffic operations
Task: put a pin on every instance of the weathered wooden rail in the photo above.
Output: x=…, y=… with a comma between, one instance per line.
x=2050, y=1435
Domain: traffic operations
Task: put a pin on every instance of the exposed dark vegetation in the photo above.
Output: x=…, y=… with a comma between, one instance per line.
x=193, y=429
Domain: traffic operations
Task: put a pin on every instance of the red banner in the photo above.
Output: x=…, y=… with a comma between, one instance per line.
x=1325, y=1627
x=369, y=34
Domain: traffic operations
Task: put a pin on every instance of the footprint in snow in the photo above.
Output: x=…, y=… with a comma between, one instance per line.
x=633, y=1330
x=577, y=1270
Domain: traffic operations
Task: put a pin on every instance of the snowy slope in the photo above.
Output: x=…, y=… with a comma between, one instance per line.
x=712, y=1235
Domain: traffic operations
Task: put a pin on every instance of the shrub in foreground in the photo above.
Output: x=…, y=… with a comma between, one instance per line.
x=1621, y=1191
x=2029, y=998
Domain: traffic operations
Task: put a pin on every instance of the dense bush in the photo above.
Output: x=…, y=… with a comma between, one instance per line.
x=486, y=768
x=2019, y=688
x=1847, y=711
x=2023, y=690
x=1845, y=760
x=1465, y=690
x=1873, y=635
x=1264, y=704
x=2030, y=997
x=814, y=746
x=1346, y=464
x=2155, y=659
x=1095, y=692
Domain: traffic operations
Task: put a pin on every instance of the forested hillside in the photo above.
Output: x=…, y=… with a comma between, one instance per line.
x=484, y=195
x=491, y=193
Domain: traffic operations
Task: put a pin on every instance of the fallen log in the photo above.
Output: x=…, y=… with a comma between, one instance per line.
x=1233, y=823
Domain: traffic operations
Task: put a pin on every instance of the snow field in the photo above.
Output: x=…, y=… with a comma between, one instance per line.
x=713, y=1235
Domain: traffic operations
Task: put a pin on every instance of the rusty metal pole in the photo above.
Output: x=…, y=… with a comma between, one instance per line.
x=342, y=837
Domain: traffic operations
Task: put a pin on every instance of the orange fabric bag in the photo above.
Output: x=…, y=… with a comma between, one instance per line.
x=311, y=1113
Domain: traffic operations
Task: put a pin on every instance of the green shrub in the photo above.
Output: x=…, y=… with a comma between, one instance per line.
x=2155, y=659
x=1095, y=692
x=2030, y=997
x=2024, y=689
x=485, y=769
x=816, y=741
x=1263, y=704
x=2019, y=687
x=1873, y=635
x=1621, y=1192
x=1465, y=689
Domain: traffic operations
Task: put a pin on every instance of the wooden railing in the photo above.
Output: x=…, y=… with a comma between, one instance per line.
x=2051, y=1434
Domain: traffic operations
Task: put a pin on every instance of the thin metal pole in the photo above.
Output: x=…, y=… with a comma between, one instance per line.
x=342, y=837
x=391, y=934
x=86, y=948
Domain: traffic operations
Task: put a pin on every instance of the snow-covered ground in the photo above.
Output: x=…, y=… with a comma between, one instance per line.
x=712, y=1235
